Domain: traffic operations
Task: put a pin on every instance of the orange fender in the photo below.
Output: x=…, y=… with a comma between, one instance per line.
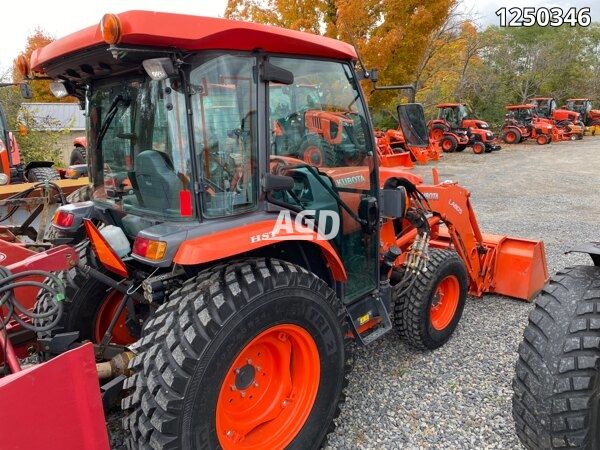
x=228, y=243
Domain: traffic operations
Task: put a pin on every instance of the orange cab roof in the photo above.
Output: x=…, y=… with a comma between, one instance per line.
x=194, y=33
x=528, y=106
x=577, y=99
x=448, y=105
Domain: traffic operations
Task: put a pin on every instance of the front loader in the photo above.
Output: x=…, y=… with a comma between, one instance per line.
x=237, y=272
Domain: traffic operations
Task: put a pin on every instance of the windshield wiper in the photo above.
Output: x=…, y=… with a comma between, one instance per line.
x=110, y=115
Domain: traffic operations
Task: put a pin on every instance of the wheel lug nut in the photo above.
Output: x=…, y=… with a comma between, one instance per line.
x=284, y=403
x=242, y=394
x=283, y=337
x=229, y=434
x=249, y=361
x=255, y=384
x=233, y=388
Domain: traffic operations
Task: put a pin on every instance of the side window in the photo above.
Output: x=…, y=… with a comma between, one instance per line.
x=319, y=118
x=224, y=103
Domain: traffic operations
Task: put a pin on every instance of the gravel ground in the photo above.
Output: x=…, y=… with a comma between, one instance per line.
x=459, y=395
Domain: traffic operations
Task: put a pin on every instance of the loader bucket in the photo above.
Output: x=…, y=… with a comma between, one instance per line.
x=401, y=159
x=59, y=399
x=518, y=267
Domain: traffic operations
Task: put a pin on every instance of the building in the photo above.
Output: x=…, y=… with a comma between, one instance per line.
x=65, y=117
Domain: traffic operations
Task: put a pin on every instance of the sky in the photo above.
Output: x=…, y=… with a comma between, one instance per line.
x=62, y=17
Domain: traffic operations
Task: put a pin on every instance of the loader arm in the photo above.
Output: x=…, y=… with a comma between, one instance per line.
x=498, y=264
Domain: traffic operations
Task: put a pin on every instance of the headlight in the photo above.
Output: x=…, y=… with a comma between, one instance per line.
x=490, y=135
x=3, y=179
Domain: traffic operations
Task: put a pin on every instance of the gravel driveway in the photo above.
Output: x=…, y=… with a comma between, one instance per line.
x=459, y=395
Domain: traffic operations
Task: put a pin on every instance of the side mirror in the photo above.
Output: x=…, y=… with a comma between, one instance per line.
x=393, y=203
x=25, y=91
x=272, y=73
x=273, y=183
x=368, y=211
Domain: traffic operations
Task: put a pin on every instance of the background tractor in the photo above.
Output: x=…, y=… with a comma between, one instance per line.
x=557, y=376
x=236, y=272
x=522, y=123
x=456, y=129
x=590, y=117
x=569, y=122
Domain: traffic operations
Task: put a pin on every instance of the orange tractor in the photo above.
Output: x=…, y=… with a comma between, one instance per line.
x=568, y=122
x=521, y=123
x=236, y=274
x=590, y=117
x=455, y=129
x=411, y=136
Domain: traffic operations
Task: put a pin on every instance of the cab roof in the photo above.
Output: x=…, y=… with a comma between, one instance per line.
x=195, y=33
x=528, y=106
x=578, y=100
x=448, y=105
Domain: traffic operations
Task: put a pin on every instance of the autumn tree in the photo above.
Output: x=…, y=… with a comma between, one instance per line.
x=40, y=89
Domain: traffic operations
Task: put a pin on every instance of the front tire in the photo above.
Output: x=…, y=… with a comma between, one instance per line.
x=203, y=379
x=429, y=312
x=557, y=384
x=39, y=174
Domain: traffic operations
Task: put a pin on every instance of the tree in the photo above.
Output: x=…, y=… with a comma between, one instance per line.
x=40, y=88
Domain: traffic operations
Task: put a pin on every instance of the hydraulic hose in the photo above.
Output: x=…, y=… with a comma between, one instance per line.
x=22, y=315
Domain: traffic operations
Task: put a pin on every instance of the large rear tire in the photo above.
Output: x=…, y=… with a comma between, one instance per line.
x=38, y=174
x=512, y=136
x=429, y=312
x=206, y=374
x=449, y=144
x=556, y=401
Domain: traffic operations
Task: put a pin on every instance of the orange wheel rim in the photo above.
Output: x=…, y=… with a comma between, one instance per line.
x=511, y=137
x=478, y=148
x=269, y=390
x=437, y=134
x=445, y=303
x=447, y=145
x=107, y=310
x=313, y=156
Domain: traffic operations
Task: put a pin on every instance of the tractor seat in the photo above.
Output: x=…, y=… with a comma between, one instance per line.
x=157, y=182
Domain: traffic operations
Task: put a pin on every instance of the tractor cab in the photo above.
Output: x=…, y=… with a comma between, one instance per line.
x=589, y=116
x=453, y=113
x=523, y=114
x=544, y=106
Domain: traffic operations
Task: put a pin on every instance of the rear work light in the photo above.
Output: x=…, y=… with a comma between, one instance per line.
x=63, y=219
x=103, y=251
x=149, y=249
x=110, y=27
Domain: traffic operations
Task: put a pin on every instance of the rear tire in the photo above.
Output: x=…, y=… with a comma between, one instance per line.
x=424, y=318
x=557, y=383
x=38, y=174
x=189, y=348
x=449, y=144
x=512, y=136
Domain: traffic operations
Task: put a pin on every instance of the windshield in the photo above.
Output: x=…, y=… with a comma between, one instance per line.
x=141, y=165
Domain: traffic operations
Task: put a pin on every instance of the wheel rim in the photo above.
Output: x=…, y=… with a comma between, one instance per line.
x=437, y=134
x=447, y=145
x=269, y=390
x=107, y=310
x=445, y=303
x=313, y=156
x=511, y=137
x=478, y=149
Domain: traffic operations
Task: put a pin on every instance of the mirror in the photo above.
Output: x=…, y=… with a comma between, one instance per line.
x=25, y=91
x=272, y=73
x=277, y=183
x=393, y=202
x=368, y=211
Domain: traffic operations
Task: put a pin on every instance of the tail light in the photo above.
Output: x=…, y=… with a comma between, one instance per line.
x=63, y=219
x=104, y=252
x=149, y=249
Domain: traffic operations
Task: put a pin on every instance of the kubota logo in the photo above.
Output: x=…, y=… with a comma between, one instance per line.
x=302, y=227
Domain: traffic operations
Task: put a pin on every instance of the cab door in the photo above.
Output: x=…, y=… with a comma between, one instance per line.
x=319, y=120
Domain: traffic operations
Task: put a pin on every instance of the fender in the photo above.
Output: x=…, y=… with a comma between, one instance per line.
x=34, y=164
x=591, y=248
x=227, y=243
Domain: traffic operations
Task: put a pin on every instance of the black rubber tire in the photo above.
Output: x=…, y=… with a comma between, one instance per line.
x=191, y=341
x=556, y=400
x=83, y=298
x=437, y=126
x=411, y=311
x=517, y=134
x=315, y=141
x=481, y=148
x=543, y=139
x=37, y=174
x=453, y=143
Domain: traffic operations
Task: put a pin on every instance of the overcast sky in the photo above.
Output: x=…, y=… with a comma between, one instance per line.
x=61, y=17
